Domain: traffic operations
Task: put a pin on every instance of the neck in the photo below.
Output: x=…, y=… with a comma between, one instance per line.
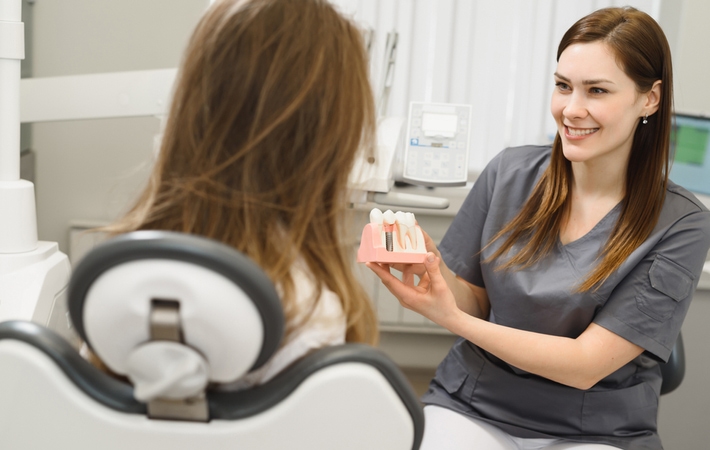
x=599, y=179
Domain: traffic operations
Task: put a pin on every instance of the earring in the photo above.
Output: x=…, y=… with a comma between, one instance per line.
x=645, y=120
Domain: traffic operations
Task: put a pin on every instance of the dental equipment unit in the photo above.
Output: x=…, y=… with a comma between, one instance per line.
x=430, y=148
x=33, y=274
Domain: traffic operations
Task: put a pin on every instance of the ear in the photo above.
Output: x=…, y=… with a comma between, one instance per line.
x=653, y=98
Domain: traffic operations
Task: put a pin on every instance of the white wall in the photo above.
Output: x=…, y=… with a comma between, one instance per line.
x=692, y=57
x=92, y=169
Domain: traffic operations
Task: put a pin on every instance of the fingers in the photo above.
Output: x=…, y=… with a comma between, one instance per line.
x=430, y=245
x=433, y=268
x=380, y=270
x=408, y=277
x=403, y=292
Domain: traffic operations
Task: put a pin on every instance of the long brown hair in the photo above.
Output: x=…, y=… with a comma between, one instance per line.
x=642, y=52
x=271, y=107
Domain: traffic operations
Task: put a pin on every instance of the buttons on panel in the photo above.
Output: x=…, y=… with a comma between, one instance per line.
x=434, y=159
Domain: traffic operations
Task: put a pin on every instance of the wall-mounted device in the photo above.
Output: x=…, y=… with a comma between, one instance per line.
x=690, y=147
x=437, y=144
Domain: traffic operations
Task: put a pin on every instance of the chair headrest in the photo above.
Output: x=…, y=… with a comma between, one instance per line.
x=230, y=314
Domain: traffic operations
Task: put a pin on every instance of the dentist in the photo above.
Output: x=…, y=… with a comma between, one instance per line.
x=569, y=269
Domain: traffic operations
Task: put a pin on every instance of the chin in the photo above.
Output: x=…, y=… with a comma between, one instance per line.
x=573, y=154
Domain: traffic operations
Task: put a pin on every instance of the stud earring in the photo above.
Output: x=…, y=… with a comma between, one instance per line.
x=645, y=119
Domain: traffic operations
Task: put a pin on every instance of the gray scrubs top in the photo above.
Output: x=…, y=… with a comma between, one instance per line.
x=644, y=301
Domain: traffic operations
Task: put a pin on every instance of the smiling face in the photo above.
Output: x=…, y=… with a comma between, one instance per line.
x=596, y=105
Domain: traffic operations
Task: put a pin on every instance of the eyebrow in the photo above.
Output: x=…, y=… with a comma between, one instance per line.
x=585, y=82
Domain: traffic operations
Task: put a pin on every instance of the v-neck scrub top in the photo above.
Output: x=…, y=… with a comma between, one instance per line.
x=644, y=301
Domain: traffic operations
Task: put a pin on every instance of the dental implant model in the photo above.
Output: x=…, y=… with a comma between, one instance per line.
x=392, y=238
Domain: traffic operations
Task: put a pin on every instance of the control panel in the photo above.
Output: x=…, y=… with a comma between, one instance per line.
x=437, y=144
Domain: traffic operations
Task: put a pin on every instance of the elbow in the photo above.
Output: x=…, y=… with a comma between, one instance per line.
x=583, y=386
x=584, y=383
x=581, y=381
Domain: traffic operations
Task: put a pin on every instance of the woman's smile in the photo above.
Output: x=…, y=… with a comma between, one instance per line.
x=579, y=133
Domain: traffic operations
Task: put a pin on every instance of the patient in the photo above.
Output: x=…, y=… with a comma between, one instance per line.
x=271, y=107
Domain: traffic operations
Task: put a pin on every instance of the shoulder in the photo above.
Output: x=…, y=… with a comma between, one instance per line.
x=680, y=204
x=514, y=162
x=319, y=321
x=311, y=304
x=678, y=196
x=516, y=168
x=526, y=155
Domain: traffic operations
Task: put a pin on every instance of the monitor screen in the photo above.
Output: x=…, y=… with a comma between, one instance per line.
x=439, y=124
x=690, y=147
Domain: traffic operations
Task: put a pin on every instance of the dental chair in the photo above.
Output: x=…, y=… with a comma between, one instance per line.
x=173, y=316
x=673, y=371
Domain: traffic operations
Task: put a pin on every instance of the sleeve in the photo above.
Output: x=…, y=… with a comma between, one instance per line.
x=649, y=305
x=461, y=245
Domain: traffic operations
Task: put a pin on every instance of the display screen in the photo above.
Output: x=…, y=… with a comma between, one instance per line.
x=439, y=124
x=690, y=147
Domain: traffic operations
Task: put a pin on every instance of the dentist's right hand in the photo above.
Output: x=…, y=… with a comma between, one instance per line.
x=440, y=295
x=431, y=297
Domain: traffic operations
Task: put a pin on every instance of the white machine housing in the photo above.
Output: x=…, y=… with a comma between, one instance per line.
x=437, y=144
x=33, y=274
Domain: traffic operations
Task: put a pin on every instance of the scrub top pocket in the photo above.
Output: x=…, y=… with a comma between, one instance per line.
x=669, y=284
x=457, y=374
x=622, y=411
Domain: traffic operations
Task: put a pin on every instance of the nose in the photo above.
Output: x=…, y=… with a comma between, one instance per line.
x=575, y=107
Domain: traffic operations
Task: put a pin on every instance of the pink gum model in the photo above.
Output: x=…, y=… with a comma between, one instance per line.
x=372, y=250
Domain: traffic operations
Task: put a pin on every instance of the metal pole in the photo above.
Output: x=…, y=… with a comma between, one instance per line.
x=18, y=218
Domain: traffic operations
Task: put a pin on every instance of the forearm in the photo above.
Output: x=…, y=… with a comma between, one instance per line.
x=441, y=297
x=579, y=363
x=467, y=299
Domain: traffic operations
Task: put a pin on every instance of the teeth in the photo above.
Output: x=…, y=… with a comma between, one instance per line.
x=400, y=226
x=402, y=229
x=376, y=216
x=389, y=217
x=581, y=131
x=411, y=229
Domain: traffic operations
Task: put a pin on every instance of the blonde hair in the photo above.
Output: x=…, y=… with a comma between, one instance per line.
x=642, y=51
x=271, y=107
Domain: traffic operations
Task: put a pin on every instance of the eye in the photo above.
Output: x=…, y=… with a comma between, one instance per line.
x=562, y=86
x=596, y=90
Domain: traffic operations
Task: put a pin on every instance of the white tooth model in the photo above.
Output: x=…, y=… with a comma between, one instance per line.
x=392, y=238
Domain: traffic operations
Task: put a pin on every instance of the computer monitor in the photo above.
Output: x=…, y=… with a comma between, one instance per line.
x=690, y=147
